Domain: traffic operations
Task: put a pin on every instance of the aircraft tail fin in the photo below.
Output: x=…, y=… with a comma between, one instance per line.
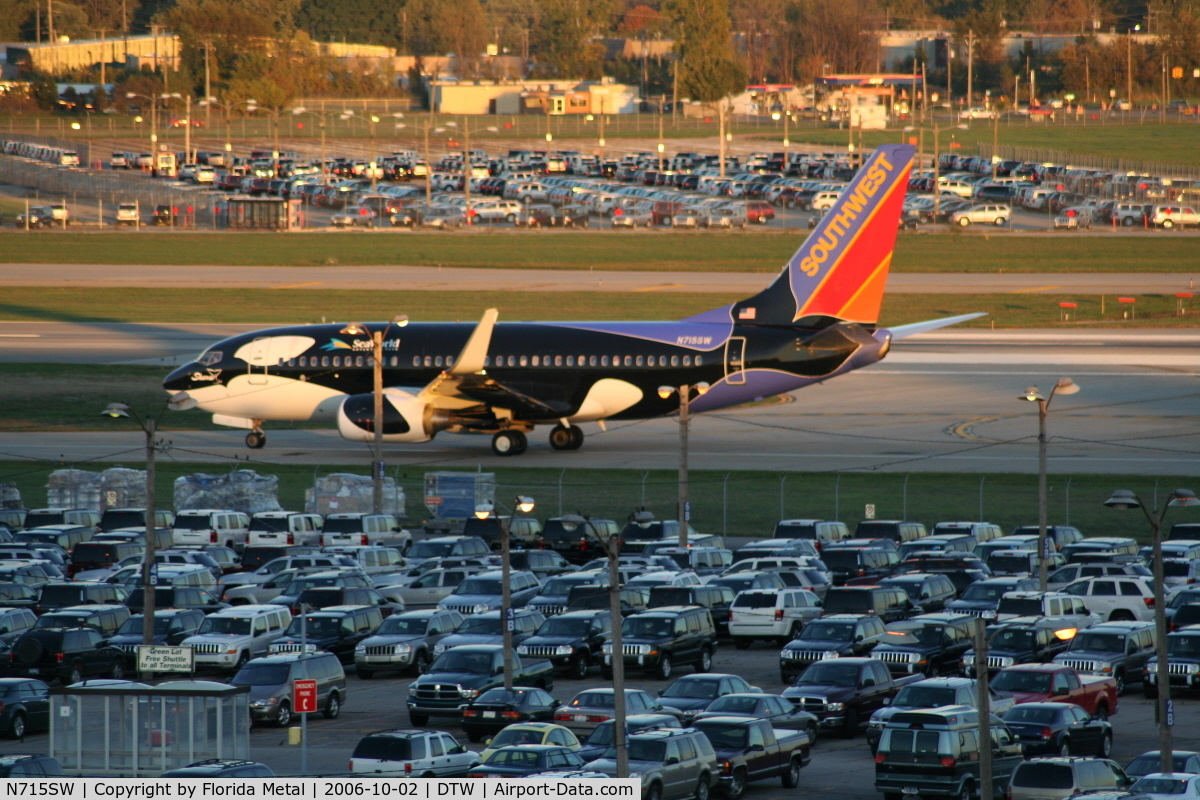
x=841, y=269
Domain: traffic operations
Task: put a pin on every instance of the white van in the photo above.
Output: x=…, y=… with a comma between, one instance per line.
x=284, y=528
x=229, y=638
x=349, y=529
x=374, y=560
x=204, y=526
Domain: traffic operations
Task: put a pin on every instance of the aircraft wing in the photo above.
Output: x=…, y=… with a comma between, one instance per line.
x=904, y=331
x=467, y=384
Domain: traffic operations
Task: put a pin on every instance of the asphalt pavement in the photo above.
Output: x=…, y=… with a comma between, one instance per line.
x=941, y=402
x=433, y=278
x=841, y=769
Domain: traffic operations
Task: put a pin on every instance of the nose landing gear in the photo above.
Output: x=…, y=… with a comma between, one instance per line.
x=255, y=439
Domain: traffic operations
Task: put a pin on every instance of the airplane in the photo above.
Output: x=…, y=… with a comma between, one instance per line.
x=816, y=321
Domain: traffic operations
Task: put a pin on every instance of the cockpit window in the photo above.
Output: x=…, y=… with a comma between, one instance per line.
x=210, y=358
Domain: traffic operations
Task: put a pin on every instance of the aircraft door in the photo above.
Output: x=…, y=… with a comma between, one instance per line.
x=257, y=362
x=735, y=360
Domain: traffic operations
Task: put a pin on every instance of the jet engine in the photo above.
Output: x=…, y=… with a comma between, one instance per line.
x=405, y=418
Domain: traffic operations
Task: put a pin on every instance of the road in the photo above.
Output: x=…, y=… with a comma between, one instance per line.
x=940, y=402
x=841, y=768
x=432, y=278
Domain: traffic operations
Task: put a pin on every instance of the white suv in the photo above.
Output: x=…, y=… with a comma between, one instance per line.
x=995, y=214
x=1116, y=597
x=1168, y=217
x=775, y=614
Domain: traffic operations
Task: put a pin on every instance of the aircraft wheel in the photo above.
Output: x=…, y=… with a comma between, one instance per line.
x=509, y=443
x=561, y=437
x=576, y=438
x=256, y=439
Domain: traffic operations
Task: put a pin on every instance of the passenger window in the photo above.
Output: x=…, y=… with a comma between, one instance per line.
x=1105, y=588
x=260, y=626
x=1130, y=589
x=435, y=747
x=681, y=627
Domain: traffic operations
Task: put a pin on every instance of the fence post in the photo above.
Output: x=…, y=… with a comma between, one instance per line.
x=837, y=499
x=725, y=506
x=560, y=484
x=782, y=481
x=1067, y=503
x=904, y=504
x=982, y=478
x=644, y=476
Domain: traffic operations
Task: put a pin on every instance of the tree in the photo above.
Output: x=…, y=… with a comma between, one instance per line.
x=564, y=40
x=833, y=36
x=708, y=69
x=437, y=27
x=360, y=21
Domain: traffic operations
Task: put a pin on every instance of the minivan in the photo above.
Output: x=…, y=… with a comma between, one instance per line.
x=65, y=536
x=935, y=753
x=271, y=679
x=1065, y=776
x=39, y=517
x=364, y=529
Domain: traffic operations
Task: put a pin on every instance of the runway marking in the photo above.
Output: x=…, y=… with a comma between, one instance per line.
x=20, y=336
x=965, y=430
x=660, y=287
x=299, y=285
x=1034, y=289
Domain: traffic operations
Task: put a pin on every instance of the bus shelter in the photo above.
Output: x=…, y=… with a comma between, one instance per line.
x=244, y=212
x=110, y=728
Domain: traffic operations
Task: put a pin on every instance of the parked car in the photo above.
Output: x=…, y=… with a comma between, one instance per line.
x=751, y=750
x=221, y=768
x=671, y=763
x=533, y=733
x=1117, y=649
x=526, y=759
x=497, y=708
x=411, y=753
x=462, y=674
x=692, y=694
x=1061, y=729
x=270, y=680
x=592, y=706
x=985, y=214
x=68, y=654
x=844, y=692
x=404, y=641
x=572, y=641
x=934, y=693
x=655, y=640
x=772, y=614
x=1060, y=777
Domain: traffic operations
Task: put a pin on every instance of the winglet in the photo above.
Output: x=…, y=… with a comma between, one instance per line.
x=471, y=359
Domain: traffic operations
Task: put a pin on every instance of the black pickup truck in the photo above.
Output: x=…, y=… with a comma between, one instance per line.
x=844, y=692
x=751, y=750
x=461, y=674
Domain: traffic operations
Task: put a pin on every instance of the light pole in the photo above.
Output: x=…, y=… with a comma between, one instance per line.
x=685, y=400
x=377, y=337
x=787, y=115
x=467, y=167
x=149, y=426
x=524, y=505
x=936, y=130
x=612, y=549
x=1064, y=386
x=1123, y=499
x=227, y=108
x=153, y=117
x=321, y=115
x=429, y=125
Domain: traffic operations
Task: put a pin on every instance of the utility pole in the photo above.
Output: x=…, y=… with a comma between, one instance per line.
x=208, y=84
x=685, y=504
x=377, y=466
x=721, y=136
x=1129, y=67
x=995, y=141
x=970, y=67
x=50, y=21
x=103, y=61
x=467, y=171
x=984, y=704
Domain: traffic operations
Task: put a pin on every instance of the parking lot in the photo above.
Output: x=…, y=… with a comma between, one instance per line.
x=840, y=768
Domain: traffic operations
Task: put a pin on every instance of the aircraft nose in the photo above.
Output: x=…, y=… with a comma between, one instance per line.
x=181, y=379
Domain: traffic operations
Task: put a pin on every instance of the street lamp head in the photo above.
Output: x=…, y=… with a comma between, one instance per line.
x=775, y=116
x=400, y=320
x=354, y=329
x=137, y=118
x=525, y=504
x=75, y=126
x=115, y=410
x=299, y=110
x=665, y=391
x=374, y=118
x=1183, y=497
x=1066, y=386
x=130, y=95
x=702, y=387
x=908, y=129
x=572, y=519
x=484, y=510
x=643, y=516
x=1123, y=500
x=493, y=129
x=1032, y=395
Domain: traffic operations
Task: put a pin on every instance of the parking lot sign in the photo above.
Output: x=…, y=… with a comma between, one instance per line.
x=510, y=619
x=304, y=696
x=869, y=511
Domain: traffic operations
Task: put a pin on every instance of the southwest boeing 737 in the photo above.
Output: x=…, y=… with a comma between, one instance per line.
x=816, y=321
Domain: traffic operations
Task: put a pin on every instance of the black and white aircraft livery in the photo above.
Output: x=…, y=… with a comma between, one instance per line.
x=817, y=320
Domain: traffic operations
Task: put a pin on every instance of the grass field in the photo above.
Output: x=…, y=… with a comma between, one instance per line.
x=278, y=306
x=734, y=503
x=1146, y=139
x=702, y=251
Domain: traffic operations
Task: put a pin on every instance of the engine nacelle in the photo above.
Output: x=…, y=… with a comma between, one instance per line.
x=405, y=418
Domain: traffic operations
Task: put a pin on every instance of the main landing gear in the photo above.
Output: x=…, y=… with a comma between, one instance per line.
x=563, y=437
x=509, y=443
